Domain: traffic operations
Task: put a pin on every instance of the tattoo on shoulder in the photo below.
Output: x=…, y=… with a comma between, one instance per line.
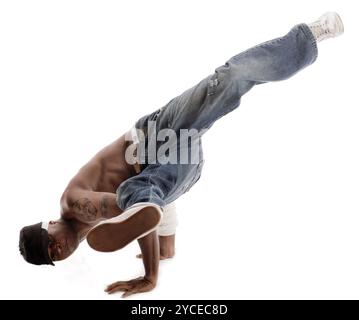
x=85, y=208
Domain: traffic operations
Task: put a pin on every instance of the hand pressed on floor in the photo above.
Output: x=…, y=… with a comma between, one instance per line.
x=138, y=285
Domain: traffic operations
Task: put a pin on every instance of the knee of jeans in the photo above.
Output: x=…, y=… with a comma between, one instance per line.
x=131, y=192
x=128, y=193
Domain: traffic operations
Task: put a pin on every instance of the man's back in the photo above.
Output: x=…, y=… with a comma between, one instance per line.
x=101, y=175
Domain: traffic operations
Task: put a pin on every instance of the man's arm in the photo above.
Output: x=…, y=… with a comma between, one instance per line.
x=167, y=247
x=166, y=231
x=149, y=246
x=89, y=206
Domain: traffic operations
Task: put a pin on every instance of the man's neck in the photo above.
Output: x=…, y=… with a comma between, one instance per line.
x=80, y=228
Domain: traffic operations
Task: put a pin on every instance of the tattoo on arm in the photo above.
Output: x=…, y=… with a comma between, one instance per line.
x=85, y=208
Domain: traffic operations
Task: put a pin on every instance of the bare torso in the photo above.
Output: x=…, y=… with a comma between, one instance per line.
x=91, y=194
x=106, y=170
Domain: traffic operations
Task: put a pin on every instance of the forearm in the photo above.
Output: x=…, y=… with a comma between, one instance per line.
x=150, y=251
x=150, y=255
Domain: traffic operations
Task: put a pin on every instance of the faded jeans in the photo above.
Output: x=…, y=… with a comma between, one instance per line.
x=213, y=97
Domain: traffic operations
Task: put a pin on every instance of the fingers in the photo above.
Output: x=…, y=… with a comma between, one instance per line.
x=122, y=285
x=117, y=286
x=138, y=289
x=140, y=284
x=117, y=289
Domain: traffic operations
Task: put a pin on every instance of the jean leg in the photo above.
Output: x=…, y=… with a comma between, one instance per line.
x=159, y=184
x=220, y=93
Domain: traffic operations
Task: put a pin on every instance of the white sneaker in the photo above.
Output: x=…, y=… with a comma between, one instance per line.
x=135, y=222
x=329, y=25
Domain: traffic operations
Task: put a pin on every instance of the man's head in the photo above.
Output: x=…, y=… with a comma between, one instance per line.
x=43, y=243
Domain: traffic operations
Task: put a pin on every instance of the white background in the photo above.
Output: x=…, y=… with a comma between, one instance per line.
x=275, y=214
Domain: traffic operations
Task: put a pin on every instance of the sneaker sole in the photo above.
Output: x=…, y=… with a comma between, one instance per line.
x=338, y=24
x=112, y=236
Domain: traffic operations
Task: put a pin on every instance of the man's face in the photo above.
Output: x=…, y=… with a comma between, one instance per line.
x=63, y=240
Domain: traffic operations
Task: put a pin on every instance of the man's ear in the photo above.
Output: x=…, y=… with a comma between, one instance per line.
x=52, y=227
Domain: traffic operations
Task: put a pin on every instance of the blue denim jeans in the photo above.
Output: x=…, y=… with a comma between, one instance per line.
x=213, y=97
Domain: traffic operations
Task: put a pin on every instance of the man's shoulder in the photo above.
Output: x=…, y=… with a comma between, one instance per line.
x=68, y=197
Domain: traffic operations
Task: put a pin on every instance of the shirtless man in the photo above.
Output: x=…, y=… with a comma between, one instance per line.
x=126, y=193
